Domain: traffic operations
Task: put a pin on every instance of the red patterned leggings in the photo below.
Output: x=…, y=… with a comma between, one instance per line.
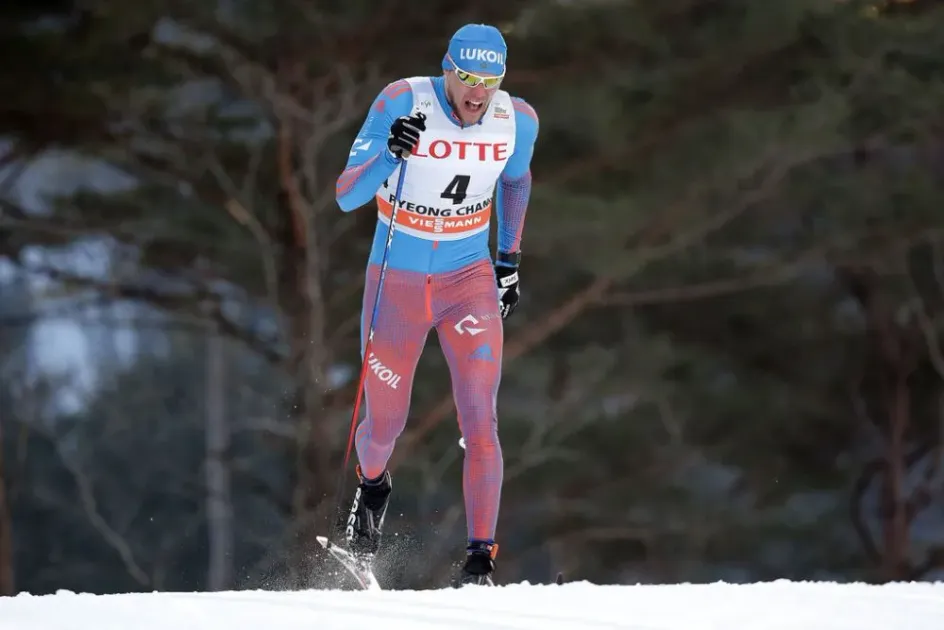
x=462, y=306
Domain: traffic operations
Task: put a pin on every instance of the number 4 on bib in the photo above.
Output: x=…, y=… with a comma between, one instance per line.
x=456, y=190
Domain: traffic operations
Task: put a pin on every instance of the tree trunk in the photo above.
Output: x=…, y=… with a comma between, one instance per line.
x=895, y=528
x=894, y=361
x=6, y=531
x=219, y=493
x=303, y=304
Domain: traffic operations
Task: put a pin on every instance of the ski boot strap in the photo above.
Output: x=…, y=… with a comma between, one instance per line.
x=484, y=547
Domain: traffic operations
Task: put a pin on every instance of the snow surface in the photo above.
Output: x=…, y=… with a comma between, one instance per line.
x=767, y=606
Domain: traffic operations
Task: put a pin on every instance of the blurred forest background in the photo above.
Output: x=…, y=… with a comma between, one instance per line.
x=727, y=363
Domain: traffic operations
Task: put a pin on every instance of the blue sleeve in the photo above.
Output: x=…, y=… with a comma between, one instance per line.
x=514, y=186
x=369, y=162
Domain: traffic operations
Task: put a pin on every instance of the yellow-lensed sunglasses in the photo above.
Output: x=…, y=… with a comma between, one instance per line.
x=471, y=80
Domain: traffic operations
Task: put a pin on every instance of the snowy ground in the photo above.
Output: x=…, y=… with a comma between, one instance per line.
x=772, y=606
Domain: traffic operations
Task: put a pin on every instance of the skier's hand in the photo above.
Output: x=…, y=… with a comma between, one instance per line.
x=506, y=273
x=405, y=134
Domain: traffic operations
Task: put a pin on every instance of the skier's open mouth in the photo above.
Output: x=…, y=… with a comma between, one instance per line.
x=474, y=106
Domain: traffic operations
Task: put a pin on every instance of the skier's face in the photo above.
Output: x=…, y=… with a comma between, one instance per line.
x=469, y=95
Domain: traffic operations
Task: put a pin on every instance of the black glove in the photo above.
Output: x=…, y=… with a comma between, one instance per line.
x=506, y=272
x=405, y=134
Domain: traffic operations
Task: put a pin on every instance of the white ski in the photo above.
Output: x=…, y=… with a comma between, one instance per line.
x=361, y=571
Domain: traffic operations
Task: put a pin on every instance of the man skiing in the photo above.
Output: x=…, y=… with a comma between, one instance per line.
x=467, y=147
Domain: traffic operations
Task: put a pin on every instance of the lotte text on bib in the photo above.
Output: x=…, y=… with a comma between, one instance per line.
x=449, y=188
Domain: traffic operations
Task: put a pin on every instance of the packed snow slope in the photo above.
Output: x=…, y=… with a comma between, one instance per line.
x=767, y=606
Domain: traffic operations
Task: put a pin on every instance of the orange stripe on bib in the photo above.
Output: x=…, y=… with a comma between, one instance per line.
x=453, y=225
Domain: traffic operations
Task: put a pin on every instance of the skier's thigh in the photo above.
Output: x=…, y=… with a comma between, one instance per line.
x=471, y=336
x=400, y=333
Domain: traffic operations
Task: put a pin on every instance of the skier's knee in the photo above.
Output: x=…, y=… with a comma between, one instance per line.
x=480, y=432
x=381, y=430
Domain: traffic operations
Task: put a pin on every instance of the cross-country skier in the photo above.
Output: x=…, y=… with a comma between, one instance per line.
x=467, y=146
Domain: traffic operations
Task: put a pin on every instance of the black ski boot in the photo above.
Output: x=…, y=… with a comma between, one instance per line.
x=362, y=530
x=479, y=564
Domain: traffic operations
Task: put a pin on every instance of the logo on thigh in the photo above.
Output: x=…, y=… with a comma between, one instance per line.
x=473, y=325
x=382, y=372
x=482, y=353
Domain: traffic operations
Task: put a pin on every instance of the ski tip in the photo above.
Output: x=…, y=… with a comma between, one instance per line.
x=560, y=578
x=323, y=540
